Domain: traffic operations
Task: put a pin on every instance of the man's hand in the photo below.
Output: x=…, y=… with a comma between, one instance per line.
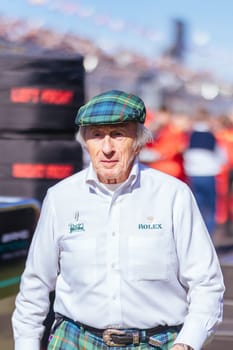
x=181, y=347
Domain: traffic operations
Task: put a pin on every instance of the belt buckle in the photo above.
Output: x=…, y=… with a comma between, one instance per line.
x=107, y=336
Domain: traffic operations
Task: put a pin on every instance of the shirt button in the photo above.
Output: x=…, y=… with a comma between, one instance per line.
x=113, y=234
x=113, y=265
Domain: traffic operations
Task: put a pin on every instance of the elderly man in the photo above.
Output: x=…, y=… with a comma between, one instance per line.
x=124, y=247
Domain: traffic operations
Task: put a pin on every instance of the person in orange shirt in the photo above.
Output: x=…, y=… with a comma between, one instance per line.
x=224, y=136
x=165, y=152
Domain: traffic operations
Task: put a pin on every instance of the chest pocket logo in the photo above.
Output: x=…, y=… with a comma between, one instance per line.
x=76, y=227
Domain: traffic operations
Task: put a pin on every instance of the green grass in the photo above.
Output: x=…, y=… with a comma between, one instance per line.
x=10, y=274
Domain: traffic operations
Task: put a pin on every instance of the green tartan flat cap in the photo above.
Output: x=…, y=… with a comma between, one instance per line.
x=112, y=107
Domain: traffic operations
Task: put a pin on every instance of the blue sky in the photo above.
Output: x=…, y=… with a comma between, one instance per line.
x=143, y=26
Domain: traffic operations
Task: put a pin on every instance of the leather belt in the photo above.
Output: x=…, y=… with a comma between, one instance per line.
x=123, y=337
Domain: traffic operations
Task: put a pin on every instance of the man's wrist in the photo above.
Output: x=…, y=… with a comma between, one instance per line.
x=184, y=346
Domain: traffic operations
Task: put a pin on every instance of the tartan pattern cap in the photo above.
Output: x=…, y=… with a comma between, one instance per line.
x=112, y=107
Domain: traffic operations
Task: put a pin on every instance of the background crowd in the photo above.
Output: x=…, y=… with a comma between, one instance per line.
x=197, y=150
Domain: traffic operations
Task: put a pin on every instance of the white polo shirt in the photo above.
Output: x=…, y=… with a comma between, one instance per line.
x=138, y=257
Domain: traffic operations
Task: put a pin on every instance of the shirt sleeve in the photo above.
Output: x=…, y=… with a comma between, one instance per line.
x=199, y=273
x=38, y=279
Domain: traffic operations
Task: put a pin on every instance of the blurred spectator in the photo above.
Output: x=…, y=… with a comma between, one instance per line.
x=203, y=161
x=165, y=152
x=224, y=135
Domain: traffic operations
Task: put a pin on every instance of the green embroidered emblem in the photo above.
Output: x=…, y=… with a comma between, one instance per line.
x=76, y=227
x=150, y=226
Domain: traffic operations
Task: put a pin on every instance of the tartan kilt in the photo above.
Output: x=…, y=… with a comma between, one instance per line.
x=69, y=336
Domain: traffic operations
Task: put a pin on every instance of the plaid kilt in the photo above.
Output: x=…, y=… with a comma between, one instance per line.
x=68, y=336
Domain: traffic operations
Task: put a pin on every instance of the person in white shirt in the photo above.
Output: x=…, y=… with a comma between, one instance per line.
x=203, y=161
x=122, y=245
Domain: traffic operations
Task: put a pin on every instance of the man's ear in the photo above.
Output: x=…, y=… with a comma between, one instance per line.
x=137, y=150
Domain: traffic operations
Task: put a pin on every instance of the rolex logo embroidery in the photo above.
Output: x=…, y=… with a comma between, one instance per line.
x=150, y=225
x=77, y=227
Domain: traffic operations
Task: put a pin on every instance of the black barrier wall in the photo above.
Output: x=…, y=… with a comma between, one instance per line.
x=40, y=93
x=29, y=166
x=39, y=99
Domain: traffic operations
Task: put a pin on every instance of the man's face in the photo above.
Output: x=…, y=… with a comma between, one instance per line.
x=112, y=150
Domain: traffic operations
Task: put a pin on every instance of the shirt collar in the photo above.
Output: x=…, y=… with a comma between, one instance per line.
x=94, y=182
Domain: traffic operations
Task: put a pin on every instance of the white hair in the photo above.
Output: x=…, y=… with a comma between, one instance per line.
x=143, y=135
